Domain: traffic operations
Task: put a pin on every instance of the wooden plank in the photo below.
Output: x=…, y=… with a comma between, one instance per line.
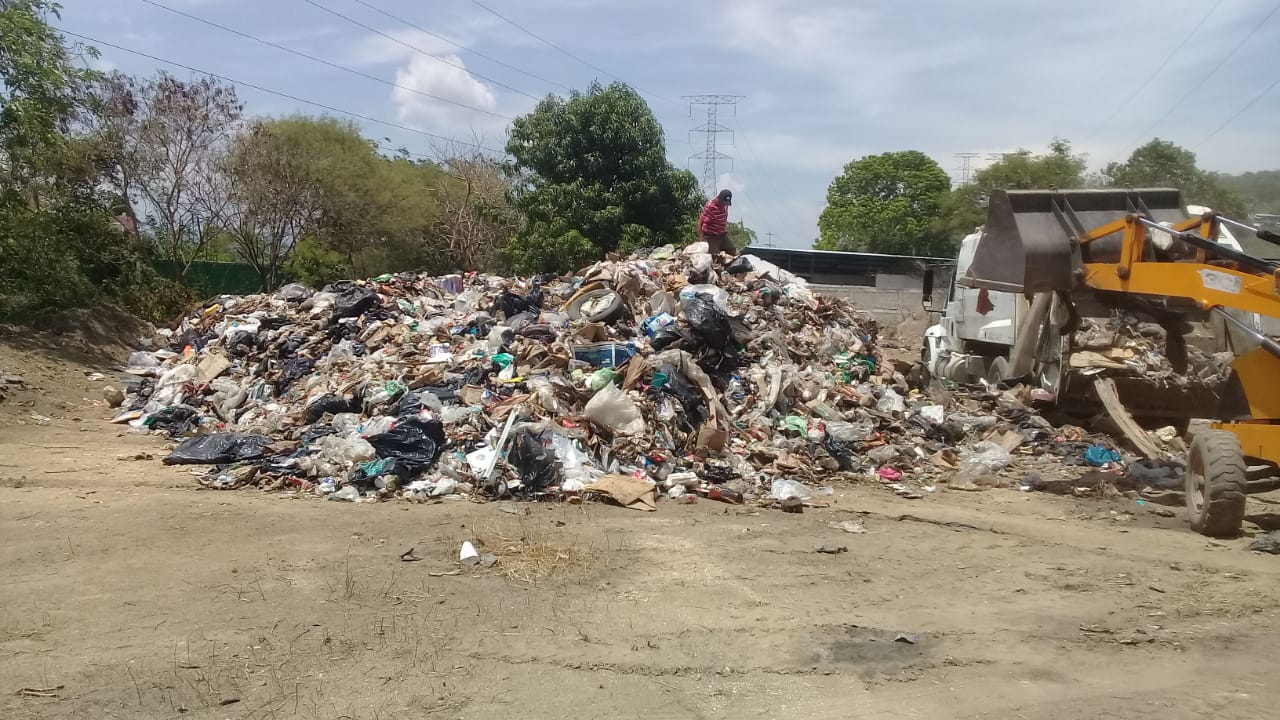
x=1137, y=437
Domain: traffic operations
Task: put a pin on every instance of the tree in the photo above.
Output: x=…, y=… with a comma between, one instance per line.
x=476, y=218
x=740, y=235
x=168, y=140
x=42, y=97
x=964, y=209
x=1161, y=163
x=884, y=204
x=591, y=175
x=1260, y=190
x=317, y=178
x=275, y=196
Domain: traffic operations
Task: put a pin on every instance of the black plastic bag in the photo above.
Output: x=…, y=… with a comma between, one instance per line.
x=219, y=449
x=536, y=463
x=294, y=369
x=331, y=404
x=354, y=301
x=667, y=337
x=414, y=444
x=738, y=266
x=690, y=398
x=708, y=323
x=839, y=452
x=177, y=419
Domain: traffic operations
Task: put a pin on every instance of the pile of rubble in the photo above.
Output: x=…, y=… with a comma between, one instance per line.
x=669, y=375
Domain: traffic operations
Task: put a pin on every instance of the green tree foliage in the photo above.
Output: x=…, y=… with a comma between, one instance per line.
x=1161, y=163
x=59, y=247
x=301, y=177
x=1260, y=190
x=884, y=204
x=591, y=175
x=740, y=235
x=964, y=209
x=315, y=265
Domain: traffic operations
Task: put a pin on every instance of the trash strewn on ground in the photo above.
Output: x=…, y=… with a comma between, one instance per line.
x=661, y=378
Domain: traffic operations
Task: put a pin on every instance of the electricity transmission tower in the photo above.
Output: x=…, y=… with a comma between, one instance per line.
x=966, y=166
x=711, y=155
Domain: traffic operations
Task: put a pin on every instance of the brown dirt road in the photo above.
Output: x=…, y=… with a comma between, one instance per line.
x=130, y=593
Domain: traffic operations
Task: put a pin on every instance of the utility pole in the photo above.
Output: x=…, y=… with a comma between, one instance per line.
x=711, y=156
x=770, y=242
x=966, y=166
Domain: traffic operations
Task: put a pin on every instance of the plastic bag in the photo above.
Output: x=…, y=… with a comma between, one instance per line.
x=415, y=445
x=667, y=337
x=348, y=451
x=293, y=292
x=218, y=449
x=600, y=378
x=177, y=419
x=613, y=409
x=535, y=462
x=354, y=301
x=1097, y=456
x=738, y=265
x=985, y=459
x=143, y=359
x=335, y=404
x=689, y=293
x=783, y=488
x=708, y=322
x=853, y=432
x=891, y=401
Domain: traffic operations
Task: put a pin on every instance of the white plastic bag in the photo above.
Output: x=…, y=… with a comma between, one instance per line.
x=613, y=409
x=985, y=458
x=850, y=432
x=784, y=488
x=891, y=401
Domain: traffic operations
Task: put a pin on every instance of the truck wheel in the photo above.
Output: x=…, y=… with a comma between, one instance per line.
x=1216, y=484
x=998, y=371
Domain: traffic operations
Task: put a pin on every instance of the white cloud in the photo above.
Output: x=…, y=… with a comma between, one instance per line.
x=432, y=91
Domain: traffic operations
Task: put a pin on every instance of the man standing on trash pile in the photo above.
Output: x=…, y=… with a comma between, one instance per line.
x=713, y=225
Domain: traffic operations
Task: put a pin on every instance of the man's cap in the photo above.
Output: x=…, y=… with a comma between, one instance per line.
x=726, y=196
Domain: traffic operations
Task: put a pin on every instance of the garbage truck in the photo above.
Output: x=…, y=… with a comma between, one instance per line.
x=1049, y=263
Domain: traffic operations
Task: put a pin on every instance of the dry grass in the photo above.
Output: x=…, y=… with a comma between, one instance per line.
x=527, y=553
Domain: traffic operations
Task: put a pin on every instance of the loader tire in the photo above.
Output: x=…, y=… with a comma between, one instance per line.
x=1216, y=484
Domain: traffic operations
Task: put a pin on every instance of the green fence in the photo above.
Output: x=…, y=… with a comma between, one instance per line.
x=216, y=278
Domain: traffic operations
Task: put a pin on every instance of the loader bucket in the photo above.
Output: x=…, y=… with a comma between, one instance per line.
x=1028, y=244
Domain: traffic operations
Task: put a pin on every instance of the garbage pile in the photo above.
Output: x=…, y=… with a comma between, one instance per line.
x=668, y=374
x=1125, y=345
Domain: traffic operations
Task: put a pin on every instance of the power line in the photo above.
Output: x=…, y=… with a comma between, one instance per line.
x=1256, y=27
x=463, y=48
x=1239, y=112
x=277, y=93
x=322, y=61
x=1163, y=63
x=416, y=49
x=559, y=49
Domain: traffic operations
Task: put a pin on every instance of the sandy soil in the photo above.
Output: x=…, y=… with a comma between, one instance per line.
x=131, y=593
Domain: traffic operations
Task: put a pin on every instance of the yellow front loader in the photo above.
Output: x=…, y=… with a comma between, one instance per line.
x=1136, y=248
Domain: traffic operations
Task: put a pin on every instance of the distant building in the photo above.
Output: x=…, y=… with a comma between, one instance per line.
x=890, y=287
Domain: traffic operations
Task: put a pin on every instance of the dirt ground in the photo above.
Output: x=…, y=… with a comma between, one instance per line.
x=132, y=593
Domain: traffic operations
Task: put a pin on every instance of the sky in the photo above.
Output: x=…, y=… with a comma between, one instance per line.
x=822, y=82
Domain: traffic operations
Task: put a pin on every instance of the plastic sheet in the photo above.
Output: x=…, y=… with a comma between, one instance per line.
x=218, y=449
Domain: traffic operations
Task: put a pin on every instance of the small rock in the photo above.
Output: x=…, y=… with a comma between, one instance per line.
x=113, y=395
x=831, y=549
x=793, y=505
